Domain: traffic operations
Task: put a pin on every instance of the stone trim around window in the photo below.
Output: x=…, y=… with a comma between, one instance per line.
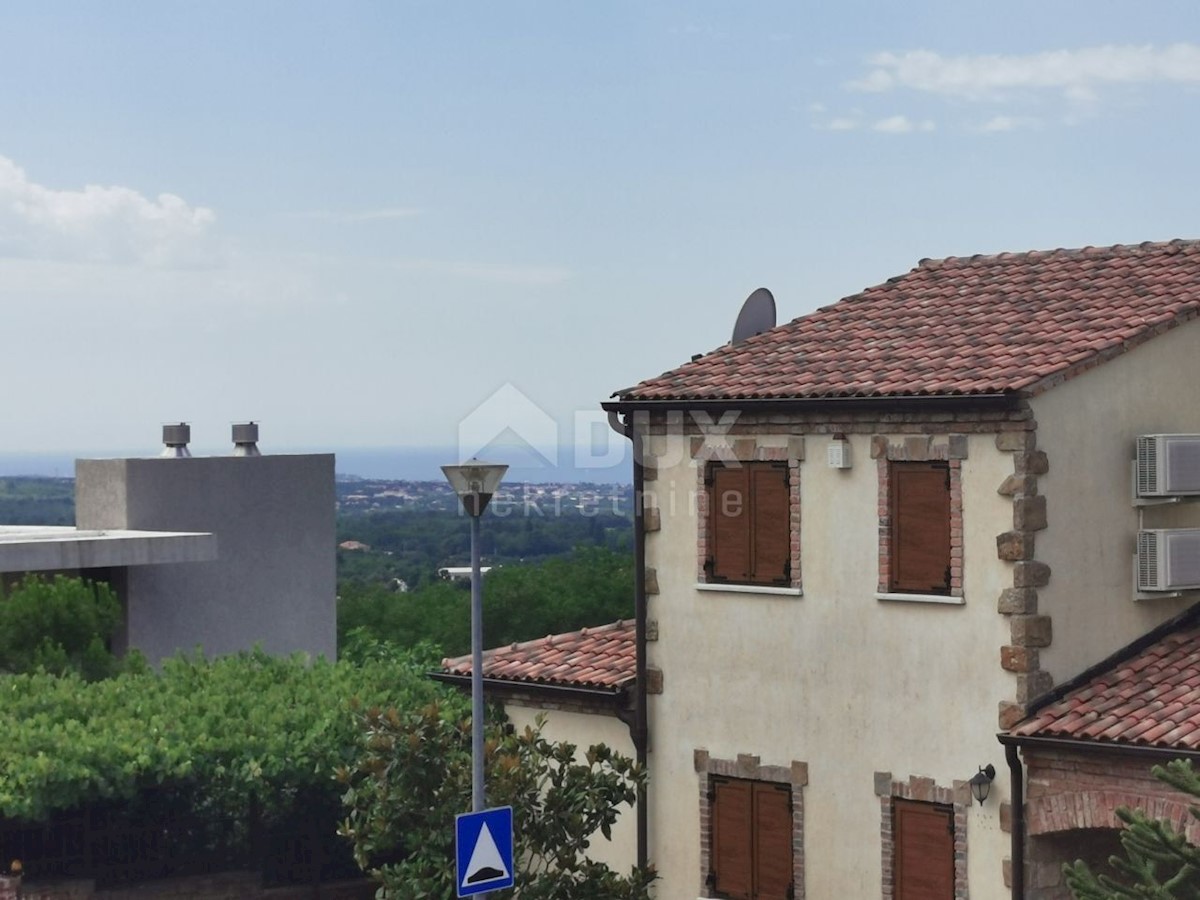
x=925, y=791
x=749, y=767
x=705, y=451
x=920, y=449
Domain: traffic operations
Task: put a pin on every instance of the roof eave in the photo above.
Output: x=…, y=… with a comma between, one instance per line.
x=614, y=695
x=993, y=400
x=1042, y=742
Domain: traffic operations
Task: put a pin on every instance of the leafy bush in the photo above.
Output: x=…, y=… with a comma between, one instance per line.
x=60, y=624
x=414, y=776
x=231, y=731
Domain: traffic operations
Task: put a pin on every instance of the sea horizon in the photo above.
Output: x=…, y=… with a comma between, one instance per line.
x=382, y=463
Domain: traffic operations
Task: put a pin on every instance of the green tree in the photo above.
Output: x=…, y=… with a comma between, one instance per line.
x=1159, y=864
x=414, y=776
x=59, y=624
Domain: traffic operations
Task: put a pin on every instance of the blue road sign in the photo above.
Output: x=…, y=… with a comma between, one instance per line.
x=483, y=844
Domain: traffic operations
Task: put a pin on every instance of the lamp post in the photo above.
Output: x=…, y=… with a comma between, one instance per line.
x=475, y=482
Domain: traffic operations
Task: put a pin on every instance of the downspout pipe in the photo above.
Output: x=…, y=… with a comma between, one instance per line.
x=640, y=730
x=1017, y=782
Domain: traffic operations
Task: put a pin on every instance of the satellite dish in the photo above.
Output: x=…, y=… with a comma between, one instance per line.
x=757, y=316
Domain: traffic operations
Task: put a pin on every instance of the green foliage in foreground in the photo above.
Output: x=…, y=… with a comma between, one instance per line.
x=414, y=775
x=1160, y=863
x=60, y=625
x=593, y=586
x=230, y=731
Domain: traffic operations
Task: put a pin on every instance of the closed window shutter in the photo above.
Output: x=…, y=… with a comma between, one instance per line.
x=772, y=842
x=772, y=524
x=924, y=851
x=729, y=517
x=732, y=849
x=920, y=510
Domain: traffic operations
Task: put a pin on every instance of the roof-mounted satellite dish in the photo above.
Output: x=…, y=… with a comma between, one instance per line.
x=757, y=316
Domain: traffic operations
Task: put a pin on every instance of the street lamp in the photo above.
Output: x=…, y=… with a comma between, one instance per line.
x=475, y=482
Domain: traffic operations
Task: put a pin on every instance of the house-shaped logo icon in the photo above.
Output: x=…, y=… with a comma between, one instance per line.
x=508, y=419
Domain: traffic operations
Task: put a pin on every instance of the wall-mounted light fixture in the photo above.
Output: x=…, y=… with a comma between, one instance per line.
x=981, y=782
x=838, y=454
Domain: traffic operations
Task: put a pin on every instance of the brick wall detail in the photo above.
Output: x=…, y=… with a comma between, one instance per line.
x=923, y=790
x=1068, y=791
x=750, y=767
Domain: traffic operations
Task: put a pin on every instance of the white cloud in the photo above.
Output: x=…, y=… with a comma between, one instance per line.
x=842, y=124
x=99, y=224
x=1077, y=73
x=902, y=125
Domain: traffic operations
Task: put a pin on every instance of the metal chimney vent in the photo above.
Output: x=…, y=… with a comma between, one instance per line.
x=176, y=438
x=245, y=439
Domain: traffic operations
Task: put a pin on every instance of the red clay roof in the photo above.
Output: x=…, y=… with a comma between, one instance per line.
x=600, y=657
x=957, y=326
x=1150, y=699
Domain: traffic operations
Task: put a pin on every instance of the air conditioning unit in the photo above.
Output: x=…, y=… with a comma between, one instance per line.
x=1168, y=465
x=1168, y=559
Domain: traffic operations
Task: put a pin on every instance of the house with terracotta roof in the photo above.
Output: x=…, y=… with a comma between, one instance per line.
x=582, y=683
x=877, y=535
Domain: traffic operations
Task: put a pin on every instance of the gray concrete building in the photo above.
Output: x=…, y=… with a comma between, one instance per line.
x=221, y=553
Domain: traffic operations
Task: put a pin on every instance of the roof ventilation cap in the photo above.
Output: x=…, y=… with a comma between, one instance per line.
x=176, y=438
x=245, y=439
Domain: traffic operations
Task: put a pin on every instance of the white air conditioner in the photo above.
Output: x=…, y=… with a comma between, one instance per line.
x=1168, y=559
x=1168, y=465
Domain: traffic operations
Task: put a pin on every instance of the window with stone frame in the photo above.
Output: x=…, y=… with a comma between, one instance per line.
x=919, y=511
x=751, y=854
x=749, y=538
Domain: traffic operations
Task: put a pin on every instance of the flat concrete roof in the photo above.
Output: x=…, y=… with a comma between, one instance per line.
x=41, y=548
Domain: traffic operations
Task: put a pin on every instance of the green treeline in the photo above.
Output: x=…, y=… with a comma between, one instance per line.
x=591, y=586
x=412, y=545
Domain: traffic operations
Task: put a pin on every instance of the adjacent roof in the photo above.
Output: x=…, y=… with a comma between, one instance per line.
x=40, y=548
x=1147, y=695
x=592, y=658
x=959, y=326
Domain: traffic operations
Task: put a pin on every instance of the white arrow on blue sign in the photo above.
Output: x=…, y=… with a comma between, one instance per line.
x=483, y=845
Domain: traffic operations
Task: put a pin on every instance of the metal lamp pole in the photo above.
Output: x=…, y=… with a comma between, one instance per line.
x=475, y=482
x=477, y=793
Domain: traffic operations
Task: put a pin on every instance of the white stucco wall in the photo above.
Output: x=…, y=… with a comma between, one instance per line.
x=584, y=730
x=838, y=679
x=1088, y=427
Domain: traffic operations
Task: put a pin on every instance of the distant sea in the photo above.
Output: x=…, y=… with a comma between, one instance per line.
x=397, y=464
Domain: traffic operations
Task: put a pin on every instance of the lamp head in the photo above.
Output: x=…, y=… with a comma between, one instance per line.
x=475, y=481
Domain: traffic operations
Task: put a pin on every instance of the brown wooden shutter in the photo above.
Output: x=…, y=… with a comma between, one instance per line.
x=732, y=849
x=924, y=851
x=729, y=523
x=772, y=842
x=920, y=510
x=771, y=537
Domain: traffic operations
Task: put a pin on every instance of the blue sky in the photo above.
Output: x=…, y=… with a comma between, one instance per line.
x=356, y=222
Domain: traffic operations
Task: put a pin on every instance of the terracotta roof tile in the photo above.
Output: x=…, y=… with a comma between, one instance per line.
x=1150, y=699
x=956, y=326
x=600, y=657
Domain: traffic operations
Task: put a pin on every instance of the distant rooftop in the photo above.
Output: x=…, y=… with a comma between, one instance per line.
x=599, y=658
